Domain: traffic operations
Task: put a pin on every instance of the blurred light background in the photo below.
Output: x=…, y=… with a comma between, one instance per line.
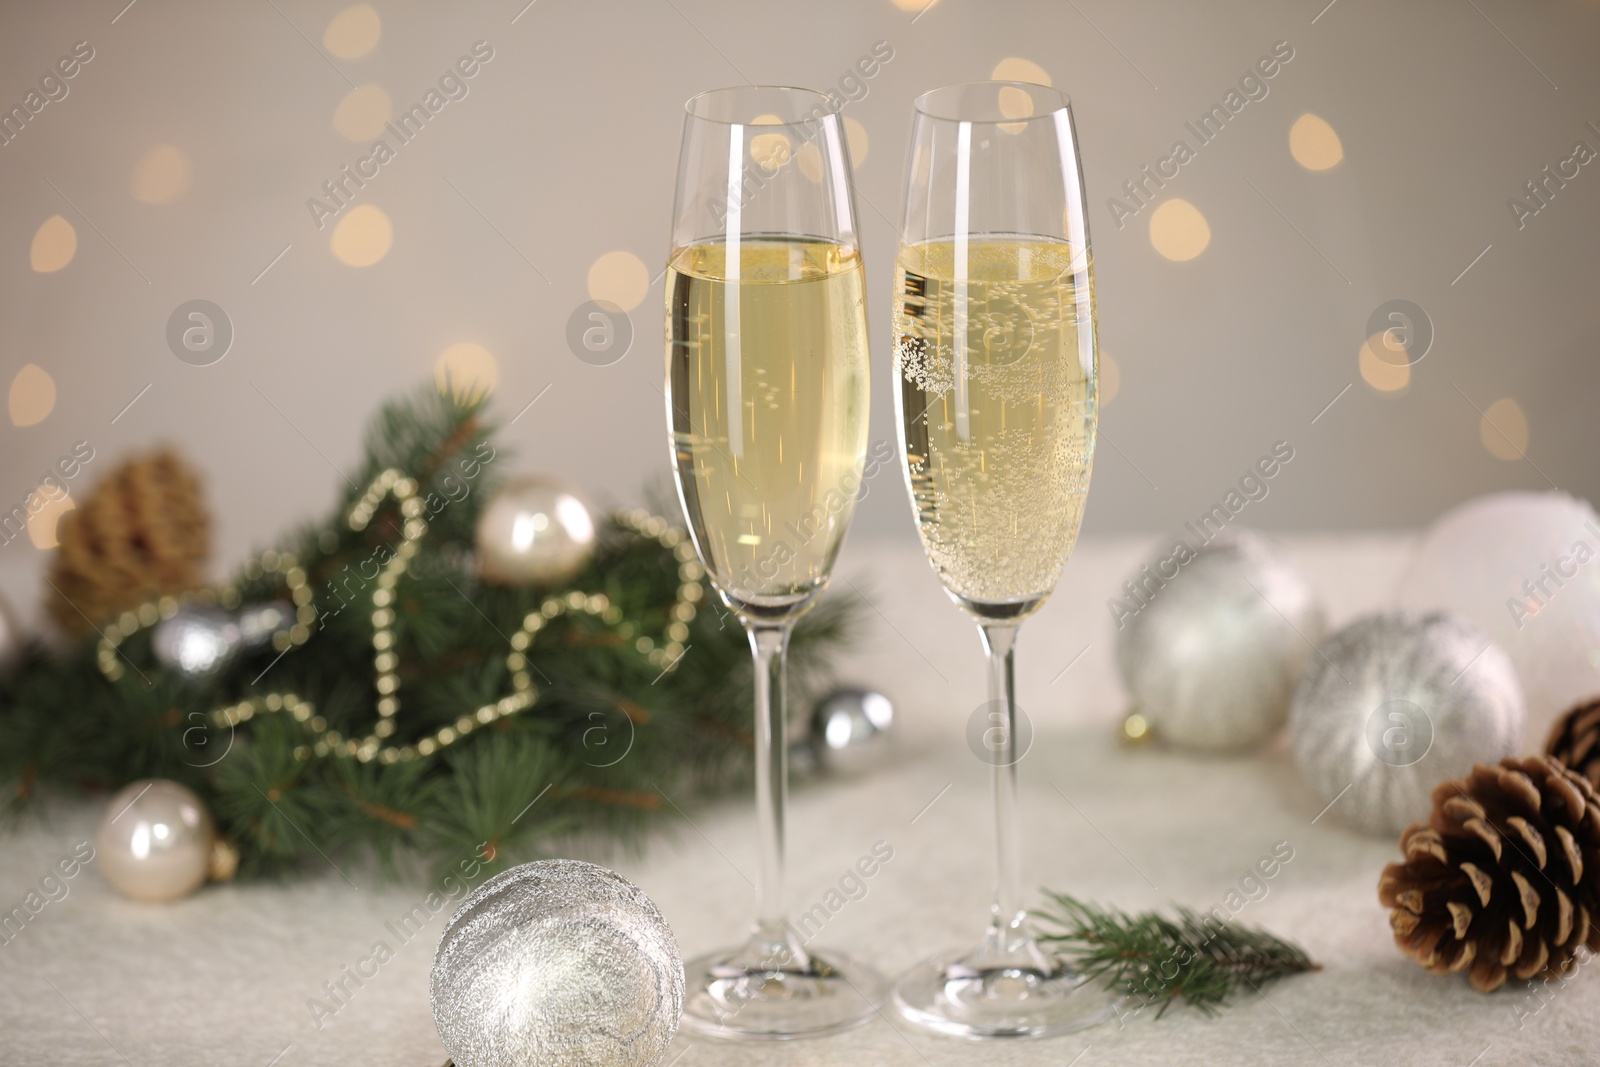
x=1378, y=162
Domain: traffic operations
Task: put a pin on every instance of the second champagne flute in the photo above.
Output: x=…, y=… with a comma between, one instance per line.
x=996, y=371
x=767, y=390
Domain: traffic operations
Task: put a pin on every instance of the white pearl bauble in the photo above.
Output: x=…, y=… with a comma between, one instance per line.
x=154, y=842
x=535, y=531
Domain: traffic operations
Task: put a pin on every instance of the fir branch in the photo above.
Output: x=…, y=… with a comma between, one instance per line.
x=1197, y=958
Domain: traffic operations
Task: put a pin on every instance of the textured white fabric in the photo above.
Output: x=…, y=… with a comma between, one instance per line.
x=225, y=977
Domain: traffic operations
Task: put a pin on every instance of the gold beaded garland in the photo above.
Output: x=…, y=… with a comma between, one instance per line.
x=386, y=661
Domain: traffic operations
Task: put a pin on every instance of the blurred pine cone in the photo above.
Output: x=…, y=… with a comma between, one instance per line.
x=1504, y=880
x=1575, y=741
x=142, y=532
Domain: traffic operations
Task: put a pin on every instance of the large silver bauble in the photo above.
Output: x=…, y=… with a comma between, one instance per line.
x=558, y=961
x=197, y=641
x=849, y=730
x=1525, y=568
x=535, y=531
x=1210, y=649
x=1394, y=704
x=154, y=841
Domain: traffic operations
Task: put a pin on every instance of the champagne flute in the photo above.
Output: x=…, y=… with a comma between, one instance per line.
x=995, y=360
x=767, y=390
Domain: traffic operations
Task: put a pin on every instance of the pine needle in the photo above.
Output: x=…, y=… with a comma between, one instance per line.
x=1201, y=959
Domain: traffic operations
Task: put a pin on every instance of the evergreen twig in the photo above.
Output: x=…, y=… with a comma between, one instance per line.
x=1197, y=958
x=607, y=729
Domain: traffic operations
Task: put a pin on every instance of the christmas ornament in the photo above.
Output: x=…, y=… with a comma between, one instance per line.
x=1575, y=741
x=142, y=532
x=261, y=624
x=1211, y=642
x=849, y=729
x=1525, y=568
x=557, y=961
x=155, y=841
x=535, y=531
x=1393, y=703
x=11, y=639
x=197, y=641
x=1504, y=879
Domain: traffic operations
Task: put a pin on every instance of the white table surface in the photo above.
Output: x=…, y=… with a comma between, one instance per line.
x=225, y=977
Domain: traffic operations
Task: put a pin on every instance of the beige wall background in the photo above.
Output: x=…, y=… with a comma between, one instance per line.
x=177, y=162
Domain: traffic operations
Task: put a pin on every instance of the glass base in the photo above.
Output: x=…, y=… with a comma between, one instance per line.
x=775, y=989
x=1021, y=991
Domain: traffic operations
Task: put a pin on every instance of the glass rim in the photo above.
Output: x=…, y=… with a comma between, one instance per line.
x=829, y=102
x=923, y=103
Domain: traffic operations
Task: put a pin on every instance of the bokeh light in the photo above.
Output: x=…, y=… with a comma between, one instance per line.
x=1379, y=369
x=362, y=237
x=161, y=176
x=769, y=150
x=353, y=32
x=913, y=5
x=1314, y=144
x=42, y=524
x=808, y=157
x=620, y=278
x=55, y=242
x=1017, y=69
x=33, y=395
x=466, y=370
x=1178, y=230
x=855, y=136
x=362, y=113
x=1110, y=383
x=1504, y=429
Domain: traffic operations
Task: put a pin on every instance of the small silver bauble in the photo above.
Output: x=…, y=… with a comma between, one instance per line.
x=197, y=641
x=155, y=841
x=1394, y=704
x=849, y=730
x=1211, y=641
x=535, y=531
x=557, y=962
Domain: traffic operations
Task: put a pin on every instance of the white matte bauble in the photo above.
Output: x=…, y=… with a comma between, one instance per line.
x=1523, y=567
x=535, y=531
x=1394, y=704
x=1211, y=641
x=155, y=840
x=557, y=962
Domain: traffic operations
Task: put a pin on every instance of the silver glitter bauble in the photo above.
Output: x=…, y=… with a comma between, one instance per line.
x=557, y=962
x=1396, y=703
x=1211, y=641
x=849, y=730
x=155, y=841
x=197, y=641
x=1525, y=568
x=534, y=531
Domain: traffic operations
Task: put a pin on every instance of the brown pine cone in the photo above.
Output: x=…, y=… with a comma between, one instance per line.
x=1575, y=741
x=141, y=533
x=1504, y=880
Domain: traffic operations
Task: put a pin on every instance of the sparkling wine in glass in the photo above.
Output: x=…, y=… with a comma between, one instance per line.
x=996, y=372
x=767, y=390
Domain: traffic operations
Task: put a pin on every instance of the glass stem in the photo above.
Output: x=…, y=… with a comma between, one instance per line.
x=770, y=647
x=999, y=641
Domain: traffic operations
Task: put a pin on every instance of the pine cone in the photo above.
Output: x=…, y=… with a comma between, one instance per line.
x=1505, y=877
x=1575, y=741
x=142, y=532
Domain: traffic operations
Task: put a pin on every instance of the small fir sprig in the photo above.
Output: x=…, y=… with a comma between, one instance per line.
x=1197, y=958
